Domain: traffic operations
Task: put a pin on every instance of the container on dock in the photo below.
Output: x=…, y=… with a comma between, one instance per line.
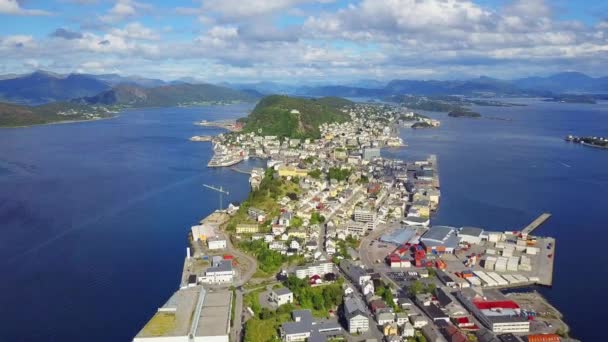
x=512, y=264
x=474, y=281
x=532, y=250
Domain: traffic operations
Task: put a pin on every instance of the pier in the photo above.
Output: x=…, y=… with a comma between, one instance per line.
x=536, y=223
x=236, y=169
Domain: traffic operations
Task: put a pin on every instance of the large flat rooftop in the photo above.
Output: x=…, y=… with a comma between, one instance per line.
x=214, y=317
x=173, y=318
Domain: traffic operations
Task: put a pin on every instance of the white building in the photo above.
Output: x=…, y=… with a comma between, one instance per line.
x=407, y=330
x=216, y=243
x=318, y=268
x=364, y=215
x=355, y=316
x=221, y=273
x=471, y=235
x=281, y=296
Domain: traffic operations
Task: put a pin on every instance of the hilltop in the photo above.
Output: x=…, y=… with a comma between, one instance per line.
x=294, y=117
x=166, y=96
x=13, y=115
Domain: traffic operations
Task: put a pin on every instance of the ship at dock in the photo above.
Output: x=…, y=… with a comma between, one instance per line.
x=200, y=138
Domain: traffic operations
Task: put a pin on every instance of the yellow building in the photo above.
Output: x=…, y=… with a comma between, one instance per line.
x=297, y=233
x=245, y=228
x=290, y=171
x=423, y=210
x=391, y=329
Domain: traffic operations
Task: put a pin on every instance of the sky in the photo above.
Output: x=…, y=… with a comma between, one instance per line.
x=299, y=41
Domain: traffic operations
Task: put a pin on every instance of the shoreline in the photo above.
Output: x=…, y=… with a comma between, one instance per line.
x=63, y=122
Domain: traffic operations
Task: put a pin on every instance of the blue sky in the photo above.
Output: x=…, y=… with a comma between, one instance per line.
x=316, y=41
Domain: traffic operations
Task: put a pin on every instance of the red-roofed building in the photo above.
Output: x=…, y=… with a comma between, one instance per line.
x=315, y=279
x=500, y=304
x=544, y=338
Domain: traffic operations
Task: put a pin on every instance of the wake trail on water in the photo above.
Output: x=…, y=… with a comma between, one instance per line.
x=95, y=219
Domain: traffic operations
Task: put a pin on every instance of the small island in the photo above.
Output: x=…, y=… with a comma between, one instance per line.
x=601, y=142
x=463, y=113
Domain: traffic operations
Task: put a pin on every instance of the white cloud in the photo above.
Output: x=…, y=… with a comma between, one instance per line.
x=136, y=31
x=123, y=9
x=13, y=7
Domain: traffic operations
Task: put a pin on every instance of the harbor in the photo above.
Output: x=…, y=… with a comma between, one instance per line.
x=230, y=125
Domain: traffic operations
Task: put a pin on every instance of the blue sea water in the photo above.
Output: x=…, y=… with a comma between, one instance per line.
x=94, y=216
x=94, y=219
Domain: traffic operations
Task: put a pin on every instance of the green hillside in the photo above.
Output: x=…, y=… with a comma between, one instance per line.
x=12, y=115
x=166, y=96
x=294, y=117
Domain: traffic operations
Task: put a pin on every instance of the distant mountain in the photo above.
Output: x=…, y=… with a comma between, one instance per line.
x=341, y=91
x=115, y=79
x=478, y=86
x=13, y=115
x=566, y=82
x=165, y=96
x=8, y=76
x=42, y=87
x=266, y=88
x=294, y=117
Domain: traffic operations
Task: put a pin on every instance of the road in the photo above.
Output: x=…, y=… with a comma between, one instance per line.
x=237, y=325
x=323, y=234
x=251, y=261
x=366, y=258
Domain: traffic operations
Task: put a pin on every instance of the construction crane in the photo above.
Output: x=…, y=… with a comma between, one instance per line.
x=220, y=190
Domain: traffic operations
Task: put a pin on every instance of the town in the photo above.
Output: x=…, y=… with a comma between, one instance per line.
x=336, y=242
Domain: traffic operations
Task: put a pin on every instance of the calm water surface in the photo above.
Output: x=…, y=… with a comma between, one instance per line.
x=94, y=216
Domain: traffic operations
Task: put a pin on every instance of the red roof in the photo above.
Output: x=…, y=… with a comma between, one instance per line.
x=462, y=320
x=395, y=258
x=499, y=304
x=228, y=257
x=544, y=338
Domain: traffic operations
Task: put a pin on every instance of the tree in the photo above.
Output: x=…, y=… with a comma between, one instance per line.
x=296, y=222
x=316, y=174
x=316, y=218
x=318, y=302
x=338, y=173
x=416, y=287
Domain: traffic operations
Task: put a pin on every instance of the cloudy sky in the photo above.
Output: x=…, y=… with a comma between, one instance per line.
x=328, y=41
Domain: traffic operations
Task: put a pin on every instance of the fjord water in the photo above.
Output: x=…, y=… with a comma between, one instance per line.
x=94, y=216
x=94, y=219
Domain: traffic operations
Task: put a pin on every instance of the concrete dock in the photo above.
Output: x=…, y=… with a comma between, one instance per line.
x=536, y=223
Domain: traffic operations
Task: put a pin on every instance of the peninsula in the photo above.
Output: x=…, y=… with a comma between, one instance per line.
x=335, y=241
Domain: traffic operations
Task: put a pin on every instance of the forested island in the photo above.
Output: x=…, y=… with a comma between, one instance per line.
x=463, y=113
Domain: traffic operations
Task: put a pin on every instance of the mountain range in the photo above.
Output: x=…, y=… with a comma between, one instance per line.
x=42, y=87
